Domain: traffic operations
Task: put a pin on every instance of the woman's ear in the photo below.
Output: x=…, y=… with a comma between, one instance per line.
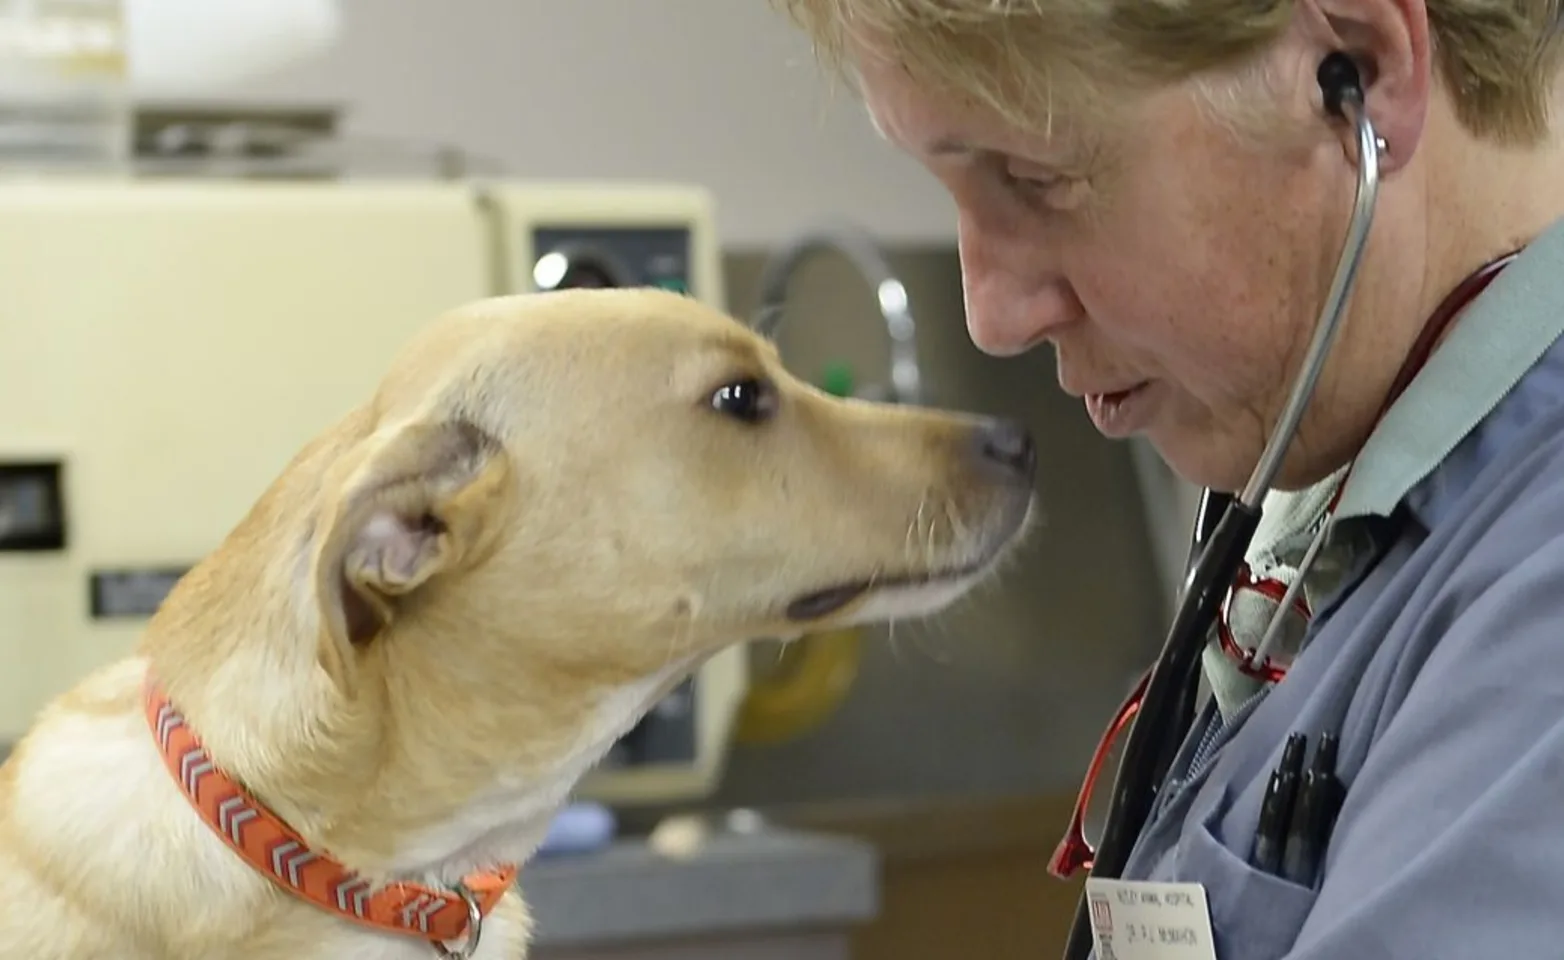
x=427, y=499
x=1390, y=44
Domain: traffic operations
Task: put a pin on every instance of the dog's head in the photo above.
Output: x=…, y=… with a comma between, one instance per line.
x=554, y=507
x=612, y=478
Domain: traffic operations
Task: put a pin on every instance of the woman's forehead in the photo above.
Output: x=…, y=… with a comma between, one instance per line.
x=908, y=111
x=933, y=124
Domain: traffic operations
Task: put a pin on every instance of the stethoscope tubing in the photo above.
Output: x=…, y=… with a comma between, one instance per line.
x=1364, y=200
x=1224, y=527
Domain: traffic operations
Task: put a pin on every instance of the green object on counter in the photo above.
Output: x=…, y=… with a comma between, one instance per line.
x=837, y=379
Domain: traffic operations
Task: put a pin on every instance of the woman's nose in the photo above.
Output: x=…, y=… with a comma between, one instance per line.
x=1015, y=297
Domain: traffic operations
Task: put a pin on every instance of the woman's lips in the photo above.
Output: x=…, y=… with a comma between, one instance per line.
x=1121, y=413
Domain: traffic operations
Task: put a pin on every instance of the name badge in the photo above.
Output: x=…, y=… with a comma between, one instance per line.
x=1140, y=920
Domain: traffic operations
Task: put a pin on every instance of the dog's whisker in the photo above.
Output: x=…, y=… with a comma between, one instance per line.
x=915, y=527
x=893, y=641
x=958, y=526
x=913, y=546
x=929, y=548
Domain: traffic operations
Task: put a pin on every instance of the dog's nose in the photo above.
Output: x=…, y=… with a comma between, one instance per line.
x=1007, y=444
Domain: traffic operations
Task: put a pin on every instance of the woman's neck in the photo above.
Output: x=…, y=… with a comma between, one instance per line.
x=1484, y=200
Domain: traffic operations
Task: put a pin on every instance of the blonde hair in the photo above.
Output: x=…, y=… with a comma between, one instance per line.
x=1020, y=58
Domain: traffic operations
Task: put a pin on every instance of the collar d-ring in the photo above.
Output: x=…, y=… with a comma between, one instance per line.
x=469, y=945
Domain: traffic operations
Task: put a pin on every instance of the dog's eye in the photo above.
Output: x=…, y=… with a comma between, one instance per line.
x=752, y=401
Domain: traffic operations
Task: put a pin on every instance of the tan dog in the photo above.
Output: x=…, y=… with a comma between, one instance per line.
x=448, y=607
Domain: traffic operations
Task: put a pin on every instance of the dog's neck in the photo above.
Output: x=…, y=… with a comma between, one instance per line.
x=402, y=785
x=400, y=797
x=511, y=814
x=443, y=913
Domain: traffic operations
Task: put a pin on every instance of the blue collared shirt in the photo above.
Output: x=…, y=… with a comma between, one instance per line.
x=1437, y=653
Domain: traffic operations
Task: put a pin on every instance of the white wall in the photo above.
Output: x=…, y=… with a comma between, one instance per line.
x=721, y=92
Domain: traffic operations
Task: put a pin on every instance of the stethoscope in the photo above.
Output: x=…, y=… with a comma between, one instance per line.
x=1164, y=703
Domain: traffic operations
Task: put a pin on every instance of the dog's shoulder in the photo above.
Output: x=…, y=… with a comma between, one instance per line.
x=94, y=817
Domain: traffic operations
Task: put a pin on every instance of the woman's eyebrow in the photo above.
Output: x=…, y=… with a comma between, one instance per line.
x=948, y=146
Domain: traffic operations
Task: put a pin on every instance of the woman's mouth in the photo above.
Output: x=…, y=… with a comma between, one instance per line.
x=1121, y=413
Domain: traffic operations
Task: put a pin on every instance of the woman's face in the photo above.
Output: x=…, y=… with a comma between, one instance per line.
x=1176, y=268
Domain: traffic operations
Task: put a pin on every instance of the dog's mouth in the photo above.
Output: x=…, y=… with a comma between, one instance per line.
x=921, y=588
x=823, y=603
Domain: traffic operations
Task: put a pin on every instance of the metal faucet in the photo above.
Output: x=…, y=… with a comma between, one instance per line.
x=861, y=250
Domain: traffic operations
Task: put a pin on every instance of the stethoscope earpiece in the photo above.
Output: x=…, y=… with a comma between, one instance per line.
x=1341, y=83
x=1340, y=80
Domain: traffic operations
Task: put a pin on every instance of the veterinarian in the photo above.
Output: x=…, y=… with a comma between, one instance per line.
x=1162, y=190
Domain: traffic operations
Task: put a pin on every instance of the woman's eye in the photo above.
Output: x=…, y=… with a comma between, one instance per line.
x=1049, y=187
x=750, y=401
x=1032, y=182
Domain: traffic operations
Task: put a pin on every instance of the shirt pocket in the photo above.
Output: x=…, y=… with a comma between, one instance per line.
x=1254, y=915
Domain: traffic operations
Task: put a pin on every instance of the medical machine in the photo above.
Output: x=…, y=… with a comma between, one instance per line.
x=167, y=343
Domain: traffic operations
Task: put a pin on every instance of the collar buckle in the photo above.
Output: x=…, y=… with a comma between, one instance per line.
x=471, y=935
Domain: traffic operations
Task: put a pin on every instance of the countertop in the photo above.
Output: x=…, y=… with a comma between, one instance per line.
x=732, y=884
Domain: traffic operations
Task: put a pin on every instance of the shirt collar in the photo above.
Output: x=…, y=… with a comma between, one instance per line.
x=1503, y=334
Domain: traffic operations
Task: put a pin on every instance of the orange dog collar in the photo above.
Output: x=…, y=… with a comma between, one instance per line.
x=266, y=843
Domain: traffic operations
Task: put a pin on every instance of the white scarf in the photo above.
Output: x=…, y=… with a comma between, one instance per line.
x=1289, y=523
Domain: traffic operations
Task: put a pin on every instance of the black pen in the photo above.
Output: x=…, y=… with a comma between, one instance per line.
x=1319, y=799
x=1276, y=810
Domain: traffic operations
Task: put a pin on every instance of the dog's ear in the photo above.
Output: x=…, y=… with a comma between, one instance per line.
x=423, y=499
